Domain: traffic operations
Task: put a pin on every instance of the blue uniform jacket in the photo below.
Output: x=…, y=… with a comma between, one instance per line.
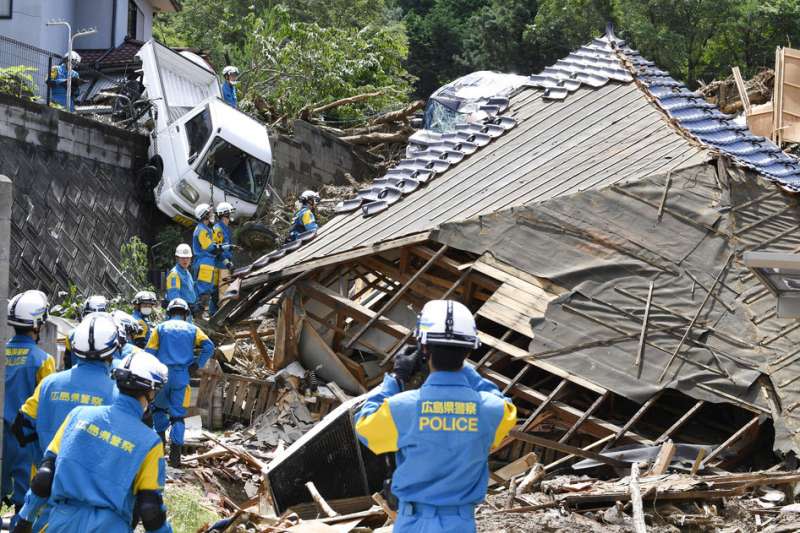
x=181, y=285
x=87, y=383
x=58, y=93
x=304, y=220
x=442, y=433
x=229, y=94
x=126, y=350
x=205, y=255
x=141, y=339
x=223, y=236
x=26, y=366
x=104, y=457
x=173, y=343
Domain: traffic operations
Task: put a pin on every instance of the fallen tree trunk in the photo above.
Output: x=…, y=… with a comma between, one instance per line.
x=377, y=138
x=307, y=111
x=401, y=115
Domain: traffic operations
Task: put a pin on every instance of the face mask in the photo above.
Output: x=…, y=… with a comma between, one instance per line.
x=146, y=311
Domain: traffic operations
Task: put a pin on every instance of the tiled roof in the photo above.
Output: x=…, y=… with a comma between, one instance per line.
x=630, y=107
x=122, y=55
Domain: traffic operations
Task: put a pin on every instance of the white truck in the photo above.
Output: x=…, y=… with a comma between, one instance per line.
x=201, y=149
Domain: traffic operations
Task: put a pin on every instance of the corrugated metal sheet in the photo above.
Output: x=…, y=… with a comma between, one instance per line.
x=594, y=138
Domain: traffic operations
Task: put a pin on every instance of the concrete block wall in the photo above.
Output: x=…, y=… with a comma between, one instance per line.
x=311, y=158
x=75, y=195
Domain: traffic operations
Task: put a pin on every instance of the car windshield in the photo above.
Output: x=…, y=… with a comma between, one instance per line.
x=234, y=171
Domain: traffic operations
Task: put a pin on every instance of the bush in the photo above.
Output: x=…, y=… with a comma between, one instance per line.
x=18, y=81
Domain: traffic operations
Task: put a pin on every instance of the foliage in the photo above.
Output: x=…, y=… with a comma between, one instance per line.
x=296, y=64
x=184, y=509
x=71, y=304
x=168, y=238
x=17, y=80
x=134, y=266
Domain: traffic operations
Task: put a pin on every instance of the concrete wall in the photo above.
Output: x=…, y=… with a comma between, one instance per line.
x=311, y=158
x=6, y=195
x=75, y=195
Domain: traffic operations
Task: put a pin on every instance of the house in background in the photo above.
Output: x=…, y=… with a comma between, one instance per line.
x=25, y=21
x=122, y=26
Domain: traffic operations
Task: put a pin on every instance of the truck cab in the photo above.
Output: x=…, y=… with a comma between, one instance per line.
x=207, y=151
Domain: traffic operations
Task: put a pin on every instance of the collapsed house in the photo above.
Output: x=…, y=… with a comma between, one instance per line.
x=595, y=223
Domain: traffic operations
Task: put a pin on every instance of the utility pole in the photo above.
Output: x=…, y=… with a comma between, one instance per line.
x=70, y=40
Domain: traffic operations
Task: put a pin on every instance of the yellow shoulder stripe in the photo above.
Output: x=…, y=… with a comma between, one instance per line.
x=153, y=342
x=47, y=368
x=507, y=423
x=379, y=429
x=147, y=476
x=31, y=405
x=55, y=444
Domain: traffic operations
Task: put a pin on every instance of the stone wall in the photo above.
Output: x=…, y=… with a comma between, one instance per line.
x=76, y=198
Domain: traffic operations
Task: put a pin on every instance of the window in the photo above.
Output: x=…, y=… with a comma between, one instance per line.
x=234, y=171
x=5, y=8
x=135, y=21
x=198, y=130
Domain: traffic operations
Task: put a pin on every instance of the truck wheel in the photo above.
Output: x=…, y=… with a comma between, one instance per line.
x=151, y=172
x=256, y=236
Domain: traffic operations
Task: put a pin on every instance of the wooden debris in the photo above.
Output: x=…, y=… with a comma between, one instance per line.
x=636, y=497
x=320, y=501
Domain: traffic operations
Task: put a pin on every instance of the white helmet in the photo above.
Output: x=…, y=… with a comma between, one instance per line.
x=145, y=298
x=447, y=323
x=225, y=209
x=76, y=57
x=28, y=309
x=309, y=196
x=230, y=69
x=97, y=303
x=140, y=372
x=127, y=325
x=202, y=211
x=183, y=250
x=177, y=304
x=96, y=337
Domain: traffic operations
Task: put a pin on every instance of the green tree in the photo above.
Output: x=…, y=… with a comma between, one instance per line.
x=561, y=26
x=134, y=265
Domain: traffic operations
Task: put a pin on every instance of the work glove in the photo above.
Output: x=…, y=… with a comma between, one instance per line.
x=193, y=368
x=23, y=526
x=405, y=364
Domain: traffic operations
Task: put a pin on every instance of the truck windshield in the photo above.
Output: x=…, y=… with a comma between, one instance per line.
x=234, y=171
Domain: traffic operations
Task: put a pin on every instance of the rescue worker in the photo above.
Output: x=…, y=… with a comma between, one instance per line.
x=58, y=82
x=205, y=252
x=180, y=283
x=26, y=366
x=105, y=466
x=143, y=304
x=96, y=303
x=173, y=342
x=442, y=432
x=305, y=219
x=95, y=343
x=128, y=328
x=231, y=75
x=223, y=237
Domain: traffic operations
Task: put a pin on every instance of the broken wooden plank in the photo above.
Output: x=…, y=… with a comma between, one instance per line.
x=681, y=421
x=515, y=468
x=542, y=406
x=756, y=420
x=639, y=525
x=586, y=414
x=663, y=459
x=566, y=448
x=696, y=316
x=320, y=501
x=395, y=297
x=635, y=418
x=643, y=335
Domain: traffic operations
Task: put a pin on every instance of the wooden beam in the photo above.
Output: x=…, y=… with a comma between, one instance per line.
x=566, y=448
x=592, y=446
x=356, y=311
x=586, y=414
x=681, y=421
x=542, y=406
x=635, y=418
x=663, y=459
x=566, y=413
x=756, y=420
x=395, y=298
x=643, y=335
